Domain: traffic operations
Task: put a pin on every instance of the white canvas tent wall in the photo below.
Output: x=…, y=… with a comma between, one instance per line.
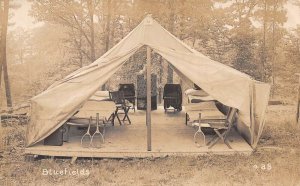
x=51, y=108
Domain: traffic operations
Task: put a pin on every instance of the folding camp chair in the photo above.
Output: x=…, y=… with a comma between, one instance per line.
x=221, y=127
x=121, y=105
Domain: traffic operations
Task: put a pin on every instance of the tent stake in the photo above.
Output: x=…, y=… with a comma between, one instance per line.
x=148, y=114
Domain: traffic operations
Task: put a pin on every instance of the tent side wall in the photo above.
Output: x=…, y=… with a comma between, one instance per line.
x=261, y=93
x=261, y=99
x=244, y=130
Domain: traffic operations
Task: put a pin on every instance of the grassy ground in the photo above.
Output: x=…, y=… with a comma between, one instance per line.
x=275, y=162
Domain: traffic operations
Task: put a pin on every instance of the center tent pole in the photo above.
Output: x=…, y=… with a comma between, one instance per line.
x=148, y=111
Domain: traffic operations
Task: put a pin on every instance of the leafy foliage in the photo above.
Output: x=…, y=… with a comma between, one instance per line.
x=248, y=35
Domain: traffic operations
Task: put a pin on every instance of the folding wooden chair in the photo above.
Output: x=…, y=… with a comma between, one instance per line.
x=129, y=93
x=121, y=105
x=221, y=127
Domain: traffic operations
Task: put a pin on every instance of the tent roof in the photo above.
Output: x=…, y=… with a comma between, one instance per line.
x=53, y=107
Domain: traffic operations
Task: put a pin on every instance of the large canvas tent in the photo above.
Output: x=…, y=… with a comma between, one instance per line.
x=53, y=107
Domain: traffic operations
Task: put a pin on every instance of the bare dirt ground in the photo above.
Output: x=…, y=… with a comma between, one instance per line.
x=275, y=162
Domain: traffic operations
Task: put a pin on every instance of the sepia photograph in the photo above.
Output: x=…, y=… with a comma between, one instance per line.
x=149, y=92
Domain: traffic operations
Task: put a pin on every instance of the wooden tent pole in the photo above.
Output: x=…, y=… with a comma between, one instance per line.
x=148, y=114
x=252, y=113
x=298, y=101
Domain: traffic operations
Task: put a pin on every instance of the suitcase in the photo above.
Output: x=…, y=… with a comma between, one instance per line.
x=172, y=96
x=56, y=138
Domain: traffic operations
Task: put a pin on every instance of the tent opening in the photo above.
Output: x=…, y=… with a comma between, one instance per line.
x=171, y=127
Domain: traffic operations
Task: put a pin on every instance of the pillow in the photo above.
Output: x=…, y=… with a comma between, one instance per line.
x=194, y=92
x=102, y=93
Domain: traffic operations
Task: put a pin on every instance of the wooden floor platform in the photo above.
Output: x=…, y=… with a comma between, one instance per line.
x=170, y=136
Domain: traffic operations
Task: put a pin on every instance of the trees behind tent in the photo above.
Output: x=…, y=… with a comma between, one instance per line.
x=248, y=35
x=5, y=6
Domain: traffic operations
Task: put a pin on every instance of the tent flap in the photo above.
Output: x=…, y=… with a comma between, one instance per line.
x=50, y=109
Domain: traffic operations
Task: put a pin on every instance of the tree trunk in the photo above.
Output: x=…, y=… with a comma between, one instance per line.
x=273, y=50
x=3, y=47
x=108, y=25
x=107, y=39
x=1, y=21
x=112, y=32
x=113, y=25
x=264, y=43
x=171, y=27
x=79, y=47
x=91, y=14
x=80, y=50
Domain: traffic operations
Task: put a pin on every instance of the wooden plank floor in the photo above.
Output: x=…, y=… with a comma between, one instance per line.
x=170, y=136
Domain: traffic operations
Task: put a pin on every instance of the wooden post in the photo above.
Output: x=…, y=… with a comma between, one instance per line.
x=73, y=160
x=252, y=113
x=148, y=114
x=298, y=101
